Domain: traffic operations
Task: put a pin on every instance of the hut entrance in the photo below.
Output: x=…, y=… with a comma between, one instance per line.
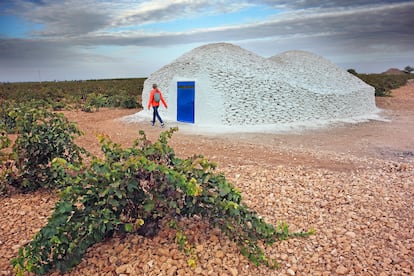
x=185, y=101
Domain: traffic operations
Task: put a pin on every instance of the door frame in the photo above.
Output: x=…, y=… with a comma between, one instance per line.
x=186, y=101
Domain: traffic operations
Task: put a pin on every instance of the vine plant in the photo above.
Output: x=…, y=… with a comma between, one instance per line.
x=133, y=190
x=41, y=136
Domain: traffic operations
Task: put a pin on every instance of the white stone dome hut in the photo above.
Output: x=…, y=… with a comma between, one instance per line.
x=224, y=85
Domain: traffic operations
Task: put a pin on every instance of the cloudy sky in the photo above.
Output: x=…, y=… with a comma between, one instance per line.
x=93, y=39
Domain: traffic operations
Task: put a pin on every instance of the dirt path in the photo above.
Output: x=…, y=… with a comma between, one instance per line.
x=353, y=183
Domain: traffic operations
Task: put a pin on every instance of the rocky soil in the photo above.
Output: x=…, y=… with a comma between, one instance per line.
x=353, y=183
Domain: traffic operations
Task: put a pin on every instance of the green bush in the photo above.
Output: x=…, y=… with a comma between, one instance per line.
x=10, y=110
x=123, y=101
x=130, y=102
x=56, y=106
x=133, y=190
x=95, y=101
x=4, y=143
x=42, y=136
x=8, y=117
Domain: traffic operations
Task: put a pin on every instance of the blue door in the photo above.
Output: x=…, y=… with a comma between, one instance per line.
x=185, y=101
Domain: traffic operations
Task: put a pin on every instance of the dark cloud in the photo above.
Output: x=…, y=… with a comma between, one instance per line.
x=63, y=18
x=72, y=23
x=41, y=59
x=391, y=26
x=22, y=52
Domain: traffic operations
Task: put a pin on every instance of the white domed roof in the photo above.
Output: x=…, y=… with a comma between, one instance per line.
x=315, y=73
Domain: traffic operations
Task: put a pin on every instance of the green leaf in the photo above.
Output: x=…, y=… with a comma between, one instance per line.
x=224, y=189
x=149, y=206
x=129, y=227
x=132, y=185
x=64, y=207
x=55, y=240
x=118, y=193
x=172, y=204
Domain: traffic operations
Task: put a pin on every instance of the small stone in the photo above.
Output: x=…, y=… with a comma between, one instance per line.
x=290, y=272
x=163, y=251
x=150, y=263
x=214, y=238
x=387, y=261
x=172, y=271
x=341, y=270
x=358, y=268
x=284, y=257
x=293, y=260
x=122, y=269
x=199, y=248
x=113, y=259
x=350, y=234
x=405, y=264
x=119, y=248
x=217, y=261
x=233, y=271
x=219, y=254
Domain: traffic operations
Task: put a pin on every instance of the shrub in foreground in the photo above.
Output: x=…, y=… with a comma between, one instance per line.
x=42, y=135
x=133, y=190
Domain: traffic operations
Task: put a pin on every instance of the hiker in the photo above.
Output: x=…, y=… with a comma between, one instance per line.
x=154, y=101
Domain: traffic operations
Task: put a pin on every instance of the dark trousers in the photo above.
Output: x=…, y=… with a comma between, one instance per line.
x=155, y=114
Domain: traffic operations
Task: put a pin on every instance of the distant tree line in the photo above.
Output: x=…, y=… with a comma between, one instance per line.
x=408, y=69
x=87, y=95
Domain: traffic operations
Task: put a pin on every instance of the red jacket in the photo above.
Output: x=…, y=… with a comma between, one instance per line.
x=151, y=101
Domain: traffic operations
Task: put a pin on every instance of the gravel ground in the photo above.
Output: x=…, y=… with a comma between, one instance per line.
x=353, y=183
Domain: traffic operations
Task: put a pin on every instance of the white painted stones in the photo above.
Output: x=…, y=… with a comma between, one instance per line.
x=235, y=87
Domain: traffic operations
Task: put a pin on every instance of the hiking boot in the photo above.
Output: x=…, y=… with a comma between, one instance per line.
x=162, y=125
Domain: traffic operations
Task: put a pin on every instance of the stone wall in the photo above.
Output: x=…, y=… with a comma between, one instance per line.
x=235, y=87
